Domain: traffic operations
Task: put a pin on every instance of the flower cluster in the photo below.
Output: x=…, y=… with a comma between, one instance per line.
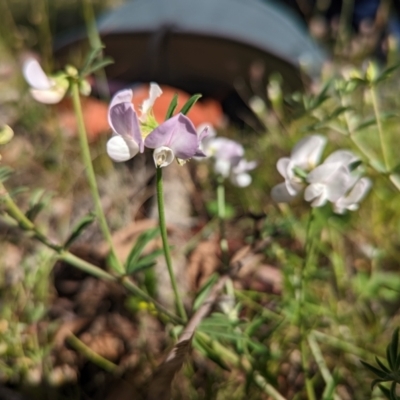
x=174, y=138
x=336, y=180
x=229, y=159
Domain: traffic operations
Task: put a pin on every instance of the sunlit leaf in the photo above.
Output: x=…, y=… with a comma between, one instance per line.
x=172, y=107
x=190, y=103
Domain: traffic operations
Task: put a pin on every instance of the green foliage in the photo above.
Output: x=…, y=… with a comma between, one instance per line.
x=390, y=372
x=135, y=262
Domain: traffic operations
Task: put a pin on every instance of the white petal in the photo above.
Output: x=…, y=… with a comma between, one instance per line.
x=314, y=191
x=154, y=92
x=163, y=156
x=282, y=166
x=241, y=180
x=360, y=190
x=345, y=157
x=324, y=172
x=121, y=148
x=50, y=96
x=357, y=193
x=35, y=76
x=211, y=131
x=293, y=186
x=307, y=152
x=280, y=194
x=244, y=166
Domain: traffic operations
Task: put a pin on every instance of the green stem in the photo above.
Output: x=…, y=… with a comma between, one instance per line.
x=91, y=355
x=91, y=177
x=326, y=374
x=375, y=105
x=167, y=253
x=221, y=216
x=308, y=246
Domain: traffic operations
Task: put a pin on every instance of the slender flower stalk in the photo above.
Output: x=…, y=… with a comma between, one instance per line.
x=167, y=253
x=308, y=248
x=87, y=161
x=221, y=217
x=375, y=105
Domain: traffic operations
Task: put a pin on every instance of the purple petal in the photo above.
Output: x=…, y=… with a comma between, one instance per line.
x=123, y=119
x=178, y=133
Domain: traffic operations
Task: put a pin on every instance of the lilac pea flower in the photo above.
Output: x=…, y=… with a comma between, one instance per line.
x=127, y=139
x=305, y=155
x=43, y=88
x=327, y=182
x=175, y=138
x=352, y=199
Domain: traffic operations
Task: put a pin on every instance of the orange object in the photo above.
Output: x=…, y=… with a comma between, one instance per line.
x=95, y=111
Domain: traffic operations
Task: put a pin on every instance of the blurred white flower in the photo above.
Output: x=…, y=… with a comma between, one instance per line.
x=352, y=199
x=304, y=157
x=327, y=182
x=44, y=89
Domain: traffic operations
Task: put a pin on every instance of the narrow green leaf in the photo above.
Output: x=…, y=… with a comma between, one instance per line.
x=138, y=247
x=98, y=65
x=5, y=173
x=78, y=229
x=38, y=201
x=92, y=55
x=390, y=359
x=394, y=347
x=190, y=103
x=376, y=371
x=365, y=124
x=393, y=395
x=172, y=107
x=146, y=262
x=204, y=291
x=382, y=365
x=385, y=391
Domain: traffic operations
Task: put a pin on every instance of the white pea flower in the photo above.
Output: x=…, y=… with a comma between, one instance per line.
x=44, y=89
x=305, y=155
